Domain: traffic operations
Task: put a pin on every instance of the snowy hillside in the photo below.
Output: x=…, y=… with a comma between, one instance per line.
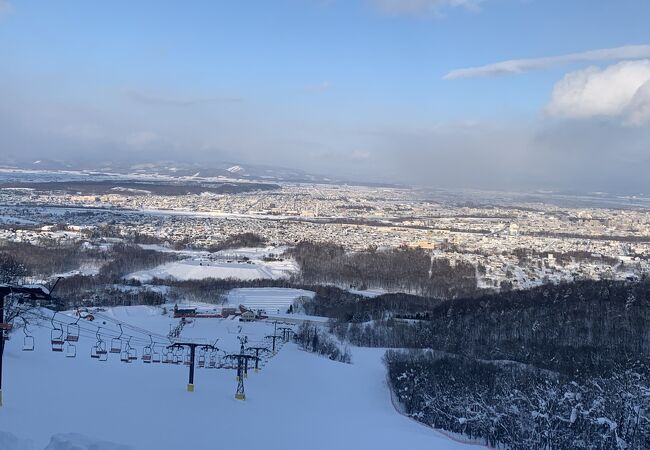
x=298, y=400
x=241, y=264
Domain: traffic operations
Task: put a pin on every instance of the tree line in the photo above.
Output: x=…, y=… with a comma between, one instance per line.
x=405, y=269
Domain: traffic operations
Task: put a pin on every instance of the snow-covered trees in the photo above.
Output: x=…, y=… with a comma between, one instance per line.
x=11, y=269
x=401, y=269
x=519, y=407
x=316, y=339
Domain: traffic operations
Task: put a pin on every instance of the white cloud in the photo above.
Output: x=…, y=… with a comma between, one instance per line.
x=423, y=6
x=5, y=7
x=639, y=108
x=516, y=66
x=620, y=90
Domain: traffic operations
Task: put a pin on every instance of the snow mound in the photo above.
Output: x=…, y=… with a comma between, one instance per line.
x=9, y=441
x=74, y=441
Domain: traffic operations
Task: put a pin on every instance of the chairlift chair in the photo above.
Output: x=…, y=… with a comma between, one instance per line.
x=116, y=343
x=70, y=350
x=57, y=340
x=56, y=336
x=201, y=359
x=93, y=352
x=166, y=358
x=155, y=356
x=72, y=332
x=28, y=341
x=133, y=353
x=146, y=355
x=188, y=358
x=101, y=351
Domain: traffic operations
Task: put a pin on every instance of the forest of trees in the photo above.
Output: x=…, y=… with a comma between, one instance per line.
x=405, y=269
x=514, y=407
x=555, y=367
x=571, y=328
x=241, y=240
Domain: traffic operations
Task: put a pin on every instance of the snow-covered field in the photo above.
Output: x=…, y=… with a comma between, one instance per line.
x=272, y=300
x=298, y=400
x=241, y=264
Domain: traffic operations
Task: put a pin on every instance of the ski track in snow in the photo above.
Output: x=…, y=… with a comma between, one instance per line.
x=298, y=400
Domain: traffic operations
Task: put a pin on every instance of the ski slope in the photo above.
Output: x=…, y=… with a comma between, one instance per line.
x=298, y=400
x=271, y=300
x=197, y=270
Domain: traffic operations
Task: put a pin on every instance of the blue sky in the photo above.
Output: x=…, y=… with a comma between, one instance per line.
x=345, y=87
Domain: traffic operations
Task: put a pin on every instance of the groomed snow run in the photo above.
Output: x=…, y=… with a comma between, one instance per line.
x=297, y=401
x=271, y=300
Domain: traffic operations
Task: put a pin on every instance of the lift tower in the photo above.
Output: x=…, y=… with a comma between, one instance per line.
x=242, y=362
x=274, y=337
x=257, y=351
x=192, y=346
x=286, y=333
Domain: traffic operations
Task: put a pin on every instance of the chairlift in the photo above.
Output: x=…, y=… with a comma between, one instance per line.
x=101, y=351
x=166, y=357
x=147, y=351
x=70, y=350
x=155, y=356
x=93, y=352
x=178, y=356
x=56, y=336
x=133, y=353
x=124, y=355
x=72, y=331
x=28, y=340
x=188, y=358
x=116, y=343
x=100, y=347
x=201, y=359
x=212, y=361
x=146, y=355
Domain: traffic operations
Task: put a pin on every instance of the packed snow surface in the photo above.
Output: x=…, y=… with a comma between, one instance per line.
x=241, y=264
x=271, y=300
x=298, y=400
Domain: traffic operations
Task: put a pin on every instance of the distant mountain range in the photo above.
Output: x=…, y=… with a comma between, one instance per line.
x=178, y=169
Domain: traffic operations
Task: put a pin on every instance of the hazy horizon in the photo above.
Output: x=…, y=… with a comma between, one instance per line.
x=394, y=91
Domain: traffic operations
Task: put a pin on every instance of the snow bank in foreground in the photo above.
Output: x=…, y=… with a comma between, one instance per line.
x=74, y=441
x=68, y=441
x=9, y=441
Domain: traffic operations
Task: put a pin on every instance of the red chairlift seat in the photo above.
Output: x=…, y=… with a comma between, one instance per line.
x=146, y=354
x=72, y=333
x=57, y=340
x=116, y=343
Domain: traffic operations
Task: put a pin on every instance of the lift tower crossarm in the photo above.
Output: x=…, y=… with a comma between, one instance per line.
x=192, y=346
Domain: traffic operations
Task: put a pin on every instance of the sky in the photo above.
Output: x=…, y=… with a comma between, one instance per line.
x=488, y=94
